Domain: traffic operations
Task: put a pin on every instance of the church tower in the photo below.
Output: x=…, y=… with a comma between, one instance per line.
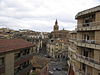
x=56, y=27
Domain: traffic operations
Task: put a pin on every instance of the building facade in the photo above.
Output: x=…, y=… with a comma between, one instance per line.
x=56, y=27
x=84, y=46
x=57, y=48
x=56, y=33
x=58, y=43
x=15, y=56
x=40, y=64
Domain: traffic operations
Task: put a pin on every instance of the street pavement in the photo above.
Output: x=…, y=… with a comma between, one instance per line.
x=57, y=68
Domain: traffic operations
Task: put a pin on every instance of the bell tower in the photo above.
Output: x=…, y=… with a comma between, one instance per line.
x=56, y=27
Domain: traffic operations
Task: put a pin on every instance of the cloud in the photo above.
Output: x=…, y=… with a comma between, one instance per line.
x=40, y=15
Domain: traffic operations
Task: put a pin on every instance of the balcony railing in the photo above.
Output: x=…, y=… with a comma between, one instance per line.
x=80, y=72
x=95, y=44
x=87, y=41
x=89, y=26
x=72, y=49
x=87, y=60
x=23, y=59
x=72, y=40
x=24, y=70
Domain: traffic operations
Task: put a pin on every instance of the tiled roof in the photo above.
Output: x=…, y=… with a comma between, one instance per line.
x=13, y=44
x=39, y=61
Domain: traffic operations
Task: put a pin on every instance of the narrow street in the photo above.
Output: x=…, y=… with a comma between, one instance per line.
x=57, y=68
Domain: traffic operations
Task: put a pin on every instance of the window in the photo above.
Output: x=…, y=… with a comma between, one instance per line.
x=17, y=55
x=46, y=69
x=52, y=40
x=24, y=51
x=86, y=53
x=84, y=67
x=1, y=60
x=28, y=50
x=89, y=19
x=17, y=69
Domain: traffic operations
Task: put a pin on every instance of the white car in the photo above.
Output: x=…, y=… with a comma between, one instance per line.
x=54, y=69
x=50, y=72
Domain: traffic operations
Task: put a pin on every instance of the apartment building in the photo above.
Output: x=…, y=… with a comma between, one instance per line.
x=6, y=33
x=72, y=48
x=56, y=47
x=15, y=56
x=40, y=65
x=84, y=49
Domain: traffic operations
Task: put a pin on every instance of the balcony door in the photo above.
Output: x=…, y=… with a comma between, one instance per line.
x=84, y=67
x=89, y=19
x=86, y=37
x=86, y=53
x=86, y=22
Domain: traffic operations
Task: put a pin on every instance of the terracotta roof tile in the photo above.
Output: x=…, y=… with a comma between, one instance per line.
x=39, y=62
x=13, y=44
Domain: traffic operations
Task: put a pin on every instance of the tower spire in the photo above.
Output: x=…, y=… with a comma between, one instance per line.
x=56, y=22
x=56, y=27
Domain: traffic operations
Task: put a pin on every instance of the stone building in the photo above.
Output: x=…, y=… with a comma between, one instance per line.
x=84, y=49
x=58, y=42
x=56, y=27
x=40, y=65
x=15, y=56
x=6, y=33
x=56, y=33
x=56, y=46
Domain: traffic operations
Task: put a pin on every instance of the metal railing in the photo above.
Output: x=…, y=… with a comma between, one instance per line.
x=88, y=59
x=80, y=72
x=24, y=56
x=87, y=41
x=91, y=24
x=97, y=42
x=24, y=70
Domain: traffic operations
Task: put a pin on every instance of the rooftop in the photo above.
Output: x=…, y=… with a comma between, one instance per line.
x=91, y=10
x=7, y=45
x=39, y=61
x=73, y=32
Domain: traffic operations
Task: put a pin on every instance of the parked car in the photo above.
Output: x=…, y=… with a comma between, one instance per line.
x=58, y=69
x=54, y=69
x=50, y=73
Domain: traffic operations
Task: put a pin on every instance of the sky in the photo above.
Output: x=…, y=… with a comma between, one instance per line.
x=40, y=15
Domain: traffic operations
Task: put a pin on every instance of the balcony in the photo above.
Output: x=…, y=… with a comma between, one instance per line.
x=2, y=69
x=88, y=44
x=80, y=72
x=71, y=49
x=89, y=26
x=86, y=60
x=24, y=70
x=23, y=59
x=73, y=40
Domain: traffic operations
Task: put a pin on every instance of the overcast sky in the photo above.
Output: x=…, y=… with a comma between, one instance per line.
x=40, y=15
